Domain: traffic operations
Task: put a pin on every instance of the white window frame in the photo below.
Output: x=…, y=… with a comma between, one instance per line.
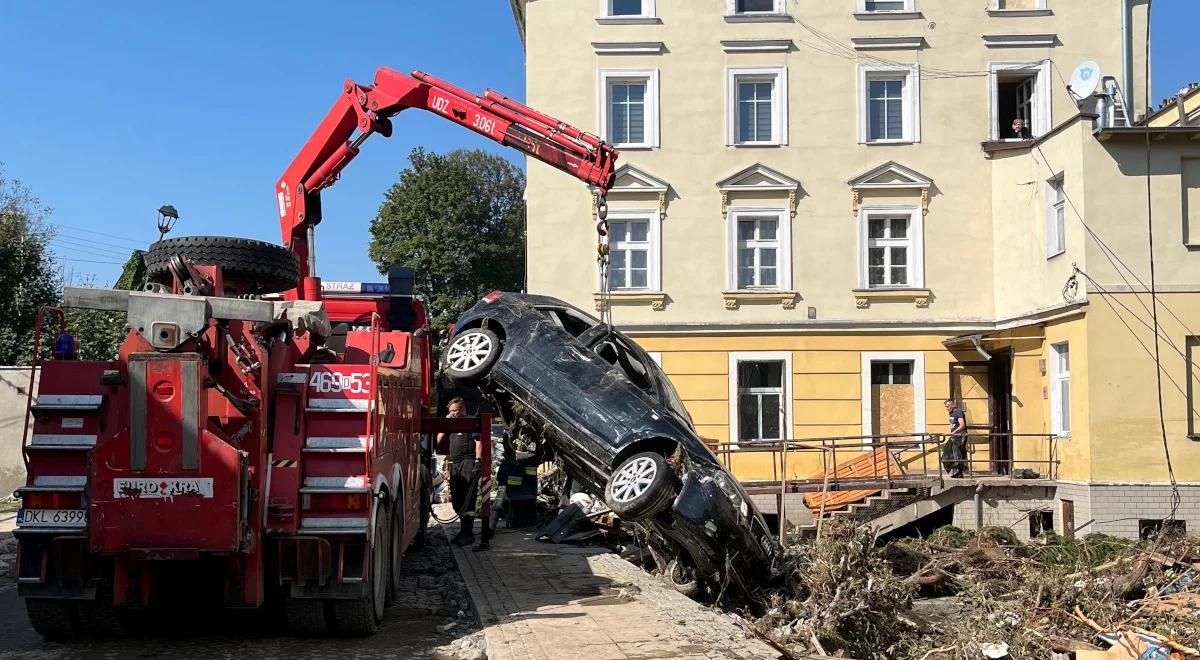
x=648, y=10
x=909, y=6
x=918, y=377
x=654, y=237
x=1056, y=214
x=779, y=104
x=916, y=241
x=731, y=9
x=1057, y=376
x=788, y=422
x=912, y=100
x=783, y=258
x=994, y=5
x=1041, y=115
x=647, y=76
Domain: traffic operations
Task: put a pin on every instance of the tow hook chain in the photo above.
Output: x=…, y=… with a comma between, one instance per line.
x=603, y=242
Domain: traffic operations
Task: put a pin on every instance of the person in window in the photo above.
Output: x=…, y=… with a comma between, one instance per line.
x=465, y=450
x=954, y=452
x=1019, y=131
x=64, y=345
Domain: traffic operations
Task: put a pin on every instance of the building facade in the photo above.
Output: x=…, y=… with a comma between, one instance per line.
x=826, y=222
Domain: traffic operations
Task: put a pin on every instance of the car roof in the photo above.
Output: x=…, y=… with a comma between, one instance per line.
x=545, y=301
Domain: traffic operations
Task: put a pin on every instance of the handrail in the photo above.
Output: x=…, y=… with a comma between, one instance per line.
x=373, y=404
x=34, y=362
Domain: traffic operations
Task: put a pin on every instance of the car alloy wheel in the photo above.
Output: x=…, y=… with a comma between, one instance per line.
x=471, y=354
x=633, y=479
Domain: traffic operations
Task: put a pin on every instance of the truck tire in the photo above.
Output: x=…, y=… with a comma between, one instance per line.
x=471, y=355
x=266, y=267
x=396, y=552
x=53, y=618
x=642, y=486
x=361, y=616
x=305, y=617
x=99, y=618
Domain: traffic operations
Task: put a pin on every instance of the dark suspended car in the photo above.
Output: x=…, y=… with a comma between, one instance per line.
x=619, y=428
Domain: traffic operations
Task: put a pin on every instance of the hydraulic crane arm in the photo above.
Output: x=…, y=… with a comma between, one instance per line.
x=368, y=109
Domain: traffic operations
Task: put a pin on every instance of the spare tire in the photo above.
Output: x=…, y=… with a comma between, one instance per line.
x=265, y=267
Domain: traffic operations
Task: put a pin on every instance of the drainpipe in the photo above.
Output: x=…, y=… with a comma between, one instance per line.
x=978, y=507
x=1127, y=59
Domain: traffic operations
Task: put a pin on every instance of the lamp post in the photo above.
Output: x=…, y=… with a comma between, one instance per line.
x=167, y=217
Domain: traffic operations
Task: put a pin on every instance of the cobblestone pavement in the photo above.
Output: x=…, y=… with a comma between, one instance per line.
x=434, y=594
x=539, y=601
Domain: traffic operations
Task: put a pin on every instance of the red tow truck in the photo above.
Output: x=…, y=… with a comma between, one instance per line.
x=269, y=446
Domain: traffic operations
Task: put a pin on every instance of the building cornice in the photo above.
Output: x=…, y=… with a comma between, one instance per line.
x=888, y=43
x=1020, y=40
x=757, y=45
x=628, y=47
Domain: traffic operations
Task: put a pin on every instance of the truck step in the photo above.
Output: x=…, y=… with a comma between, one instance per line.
x=52, y=402
x=335, y=485
x=337, y=405
x=352, y=444
x=62, y=442
x=334, y=525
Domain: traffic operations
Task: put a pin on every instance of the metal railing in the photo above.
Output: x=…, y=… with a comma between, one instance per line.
x=918, y=458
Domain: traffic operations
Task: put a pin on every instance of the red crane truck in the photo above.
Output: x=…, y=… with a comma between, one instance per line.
x=269, y=446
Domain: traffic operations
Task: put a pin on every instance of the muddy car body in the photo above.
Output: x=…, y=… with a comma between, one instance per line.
x=618, y=426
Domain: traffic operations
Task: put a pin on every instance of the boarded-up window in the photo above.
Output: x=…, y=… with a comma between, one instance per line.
x=1190, y=175
x=892, y=393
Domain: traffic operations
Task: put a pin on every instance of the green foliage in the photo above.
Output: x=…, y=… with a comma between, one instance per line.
x=950, y=536
x=27, y=276
x=98, y=335
x=457, y=219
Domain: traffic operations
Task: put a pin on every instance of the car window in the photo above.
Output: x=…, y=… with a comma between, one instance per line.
x=620, y=353
x=574, y=324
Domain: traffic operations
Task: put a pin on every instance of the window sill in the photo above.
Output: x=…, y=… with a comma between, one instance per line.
x=864, y=297
x=887, y=143
x=756, y=145
x=628, y=20
x=1056, y=254
x=887, y=15
x=992, y=146
x=1018, y=13
x=733, y=299
x=759, y=18
x=634, y=147
x=656, y=299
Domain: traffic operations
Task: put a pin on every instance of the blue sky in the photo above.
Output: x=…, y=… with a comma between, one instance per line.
x=109, y=110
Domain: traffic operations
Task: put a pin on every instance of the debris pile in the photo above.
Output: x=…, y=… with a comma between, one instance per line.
x=963, y=595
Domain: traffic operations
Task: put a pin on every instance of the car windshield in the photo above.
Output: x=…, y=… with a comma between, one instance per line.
x=572, y=322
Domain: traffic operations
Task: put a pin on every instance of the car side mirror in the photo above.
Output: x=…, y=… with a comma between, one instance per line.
x=388, y=354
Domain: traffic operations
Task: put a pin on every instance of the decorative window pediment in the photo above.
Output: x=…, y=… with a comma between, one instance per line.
x=890, y=176
x=629, y=180
x=759, y=178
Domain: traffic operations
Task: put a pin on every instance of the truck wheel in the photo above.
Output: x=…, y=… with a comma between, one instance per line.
x=641, y=486
x=52, y=618
x=305, y=617
x=361, y=616
x=471, y=354
x=266, y=267
x=396, y=552
x=99, y=618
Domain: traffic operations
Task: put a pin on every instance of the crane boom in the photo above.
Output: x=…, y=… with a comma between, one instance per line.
x=367, y=109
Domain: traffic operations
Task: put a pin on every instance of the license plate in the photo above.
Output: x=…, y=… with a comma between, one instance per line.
x=51, y=517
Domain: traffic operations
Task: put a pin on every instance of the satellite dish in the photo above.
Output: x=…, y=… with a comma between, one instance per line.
x=1084, y=80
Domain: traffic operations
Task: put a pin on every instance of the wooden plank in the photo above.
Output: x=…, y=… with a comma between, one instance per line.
x=878, y=464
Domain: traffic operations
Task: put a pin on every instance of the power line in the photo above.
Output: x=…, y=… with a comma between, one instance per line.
x=71, y=235
x=89, y=261
x=62, y=247
x=70, y=242
x=103, y=233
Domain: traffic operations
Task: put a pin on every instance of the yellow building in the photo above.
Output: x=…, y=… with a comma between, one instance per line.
x=824, y=226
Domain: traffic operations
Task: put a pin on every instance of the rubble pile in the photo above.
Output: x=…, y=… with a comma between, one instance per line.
x=960, y=595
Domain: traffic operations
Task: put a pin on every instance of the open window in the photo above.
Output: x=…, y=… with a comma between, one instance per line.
x=1019, y=91
x=572, y=322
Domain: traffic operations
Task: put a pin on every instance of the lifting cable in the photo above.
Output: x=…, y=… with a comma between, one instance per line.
x=603, y=241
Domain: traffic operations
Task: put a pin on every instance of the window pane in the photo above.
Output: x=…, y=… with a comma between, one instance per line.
x=899, y=227
x=747, y=417
x=875, y=276
x=616, y=231
x=899, y=256
x=637, y=278
x=880, y=373
x=637, y=258
x=762, y=113
x=626, y=7
x=766, y=276
x=1064, y=396
x=1064, y=359
x=638, y=231
x=627, y=110
x=767, y=229
x=760, y=374
x=745, y=278
x=616, y=269
x=899, y=275
x=902, y=373
x=766, y=257
x=875, y=256
x=745, y=230
x=876, y=227
x=885, y=5
x=770, y=416
x=755, y=5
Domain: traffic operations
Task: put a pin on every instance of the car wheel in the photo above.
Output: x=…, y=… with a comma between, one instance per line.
x=641, y=486
x=683, y=579
x=471, y=354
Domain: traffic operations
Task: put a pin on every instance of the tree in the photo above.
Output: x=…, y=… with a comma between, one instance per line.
x=457, y=219
x=27, y=276
x=99, y=334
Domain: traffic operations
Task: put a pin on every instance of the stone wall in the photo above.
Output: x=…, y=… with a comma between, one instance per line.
x=14, y=384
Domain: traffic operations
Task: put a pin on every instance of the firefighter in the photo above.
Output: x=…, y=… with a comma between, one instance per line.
x=464, y=456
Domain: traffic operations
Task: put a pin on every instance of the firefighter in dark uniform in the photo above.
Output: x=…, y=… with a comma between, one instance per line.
x=464, y=454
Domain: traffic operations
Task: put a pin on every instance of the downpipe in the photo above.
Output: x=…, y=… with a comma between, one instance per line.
x=1127, y=59
x=978, y=508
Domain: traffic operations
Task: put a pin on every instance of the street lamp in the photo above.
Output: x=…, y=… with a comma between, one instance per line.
x=167, y=217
